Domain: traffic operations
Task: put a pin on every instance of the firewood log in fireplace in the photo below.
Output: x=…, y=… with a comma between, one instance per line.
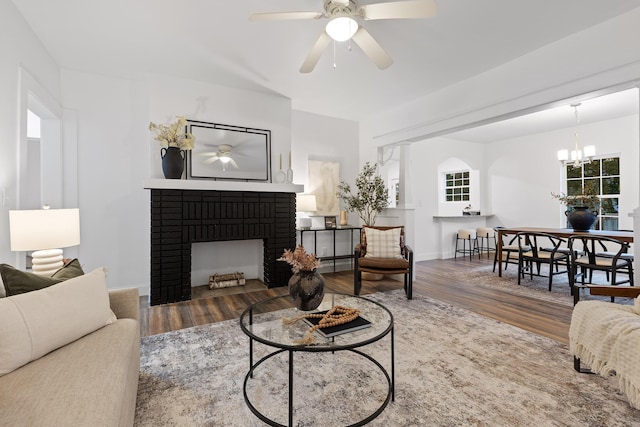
x=217, y=281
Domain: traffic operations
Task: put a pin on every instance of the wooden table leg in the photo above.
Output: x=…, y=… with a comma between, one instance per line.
x=499, y=249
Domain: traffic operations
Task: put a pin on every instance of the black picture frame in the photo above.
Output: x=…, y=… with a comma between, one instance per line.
x=330, y=222
x=249, y=149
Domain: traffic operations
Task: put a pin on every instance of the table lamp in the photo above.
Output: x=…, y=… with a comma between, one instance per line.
x=305, y=203
x=44, y=231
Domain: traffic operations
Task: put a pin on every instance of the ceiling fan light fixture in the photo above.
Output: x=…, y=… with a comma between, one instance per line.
x=341, y=28
x=225, y=159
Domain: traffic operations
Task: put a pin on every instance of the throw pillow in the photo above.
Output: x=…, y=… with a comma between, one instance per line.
x=383, y=243
x=3, y=293
x=35, y=323
x=18, y=281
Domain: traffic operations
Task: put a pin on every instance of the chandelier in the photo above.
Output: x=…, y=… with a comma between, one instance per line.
x=578, y=157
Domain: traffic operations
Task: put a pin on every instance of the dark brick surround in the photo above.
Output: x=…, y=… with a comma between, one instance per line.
x=182, y=217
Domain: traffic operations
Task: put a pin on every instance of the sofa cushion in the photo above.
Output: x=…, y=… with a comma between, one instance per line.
x=89, y=382
x=35, y=323
x=18, y=282
x=383, y=243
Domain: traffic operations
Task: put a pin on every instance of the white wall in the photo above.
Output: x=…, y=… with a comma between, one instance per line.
x=522, y=172
x=19, y=48
x=117, y=153
x=325, y=139
x=517, y=177
x=111, y=116
x=434, y=238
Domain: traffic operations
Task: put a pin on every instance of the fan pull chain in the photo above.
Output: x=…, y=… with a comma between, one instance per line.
x=334, y=55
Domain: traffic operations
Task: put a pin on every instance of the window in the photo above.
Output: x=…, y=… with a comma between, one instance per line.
x=457, y=186
x=605, y=172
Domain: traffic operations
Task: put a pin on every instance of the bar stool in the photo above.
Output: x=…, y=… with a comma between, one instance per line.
x=470, y=236
x=484, y=234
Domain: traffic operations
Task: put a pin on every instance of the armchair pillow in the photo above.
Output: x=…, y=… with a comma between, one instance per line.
x=383, y=243
x=35, y=323
x=18, y=282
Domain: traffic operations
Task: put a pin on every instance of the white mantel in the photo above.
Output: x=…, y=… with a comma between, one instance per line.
x=202, y=184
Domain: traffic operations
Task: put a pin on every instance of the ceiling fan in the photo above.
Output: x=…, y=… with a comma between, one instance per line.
x=223, y=154
x=343, y=25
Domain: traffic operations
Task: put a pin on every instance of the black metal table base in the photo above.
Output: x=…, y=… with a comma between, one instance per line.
x=390, y=381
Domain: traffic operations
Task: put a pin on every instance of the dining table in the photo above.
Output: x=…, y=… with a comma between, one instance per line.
x=623, y=236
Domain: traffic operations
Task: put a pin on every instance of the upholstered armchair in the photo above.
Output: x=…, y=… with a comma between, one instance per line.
x=382, y=250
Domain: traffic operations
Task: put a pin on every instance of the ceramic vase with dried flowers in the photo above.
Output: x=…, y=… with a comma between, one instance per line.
x=306, y=286
x=175, y=140
x=582, y=208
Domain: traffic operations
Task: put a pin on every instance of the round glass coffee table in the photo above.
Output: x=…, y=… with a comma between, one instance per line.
x=262, y=322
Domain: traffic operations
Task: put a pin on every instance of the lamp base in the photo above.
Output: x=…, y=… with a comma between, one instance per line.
x=47, y=261
x=304, y=223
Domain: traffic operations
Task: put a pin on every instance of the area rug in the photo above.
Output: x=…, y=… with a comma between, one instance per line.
x=534, y=287
x=453, y=368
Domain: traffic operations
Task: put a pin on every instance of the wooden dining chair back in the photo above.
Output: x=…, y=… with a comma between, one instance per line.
x=599, y=254
x=539, y=249
x=382, y=250
x=510, y=250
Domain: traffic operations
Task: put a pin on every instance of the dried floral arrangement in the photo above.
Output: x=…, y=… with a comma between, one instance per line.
x=174, y=134
x=300, y=259
x=588, y=197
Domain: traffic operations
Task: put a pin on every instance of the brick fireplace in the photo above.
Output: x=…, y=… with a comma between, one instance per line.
x=185, y=212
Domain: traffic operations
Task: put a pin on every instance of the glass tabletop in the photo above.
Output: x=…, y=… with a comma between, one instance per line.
x=263, y=321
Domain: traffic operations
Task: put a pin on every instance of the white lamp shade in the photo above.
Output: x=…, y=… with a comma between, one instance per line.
x=589, y=150
x=576, y=154
x=306, y=203
x=341, y=28
x=32, y=230
x=563, y=155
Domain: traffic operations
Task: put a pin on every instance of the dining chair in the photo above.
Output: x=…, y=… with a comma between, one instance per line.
x=612, y=260
x=510, y=250
x=531, y=252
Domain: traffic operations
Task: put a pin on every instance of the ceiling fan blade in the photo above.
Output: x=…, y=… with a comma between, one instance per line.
x=207, y=153
x=400, y=10
x=316, y=51
x=373, y=50
x=210, y=160
x=233, y=163
x=279, y=16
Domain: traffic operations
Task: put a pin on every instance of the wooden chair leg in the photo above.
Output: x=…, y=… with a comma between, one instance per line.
x=357, y=281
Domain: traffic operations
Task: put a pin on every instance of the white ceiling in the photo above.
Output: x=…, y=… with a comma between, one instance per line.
x=213, y=41
x=619, y=104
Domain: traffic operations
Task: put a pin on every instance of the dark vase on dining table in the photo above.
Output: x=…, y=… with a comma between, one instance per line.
x=581, y=218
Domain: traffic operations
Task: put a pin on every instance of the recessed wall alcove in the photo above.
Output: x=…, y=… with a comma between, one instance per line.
x=195, y=211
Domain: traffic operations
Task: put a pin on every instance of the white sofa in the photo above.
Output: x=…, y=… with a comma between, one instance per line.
x=90, y=381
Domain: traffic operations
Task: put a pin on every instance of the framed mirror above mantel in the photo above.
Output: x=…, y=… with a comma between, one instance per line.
x=226, y=152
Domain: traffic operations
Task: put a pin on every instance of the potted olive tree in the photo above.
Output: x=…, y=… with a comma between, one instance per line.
x=371, y=196
x=582, y=208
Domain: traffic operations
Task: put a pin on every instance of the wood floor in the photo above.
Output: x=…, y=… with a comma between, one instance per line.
x=432, y=278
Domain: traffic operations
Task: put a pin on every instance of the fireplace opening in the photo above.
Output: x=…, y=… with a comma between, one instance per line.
x=226, y=258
